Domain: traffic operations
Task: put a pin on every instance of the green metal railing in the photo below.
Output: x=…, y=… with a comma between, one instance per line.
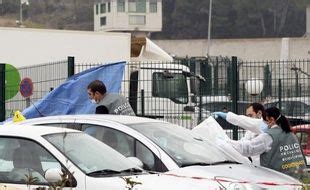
x=225, y=86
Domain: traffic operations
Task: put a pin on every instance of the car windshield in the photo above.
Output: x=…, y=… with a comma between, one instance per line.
x=87, y=153
x=181, y=144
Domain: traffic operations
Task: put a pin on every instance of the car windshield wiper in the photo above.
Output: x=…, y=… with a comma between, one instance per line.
x=225, y=162
x=209, y=164
x=196, y=164
x=103, y=172
x=132, y=170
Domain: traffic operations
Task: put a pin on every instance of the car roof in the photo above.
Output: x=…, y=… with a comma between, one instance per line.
x=229, y=102
x=30, y=131
x=123, y=119
x=305, y=100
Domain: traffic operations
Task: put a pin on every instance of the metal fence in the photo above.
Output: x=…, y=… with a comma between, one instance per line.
x=45, y=77
x=188, y=90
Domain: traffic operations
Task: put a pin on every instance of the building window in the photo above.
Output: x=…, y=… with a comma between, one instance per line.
x=153, y=6
x=137, y=6
x=97, y=9
x=120, y=5
x=137, y=20
x=109, y=7
x=102, y=8
x=103, y=21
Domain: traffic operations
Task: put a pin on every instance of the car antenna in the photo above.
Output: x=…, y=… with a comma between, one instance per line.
x=41, y=115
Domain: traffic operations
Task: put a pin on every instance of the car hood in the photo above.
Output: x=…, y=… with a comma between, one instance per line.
x=246, y=174
x=150, y=182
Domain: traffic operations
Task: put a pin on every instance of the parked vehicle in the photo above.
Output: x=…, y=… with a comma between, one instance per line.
x=303, y=134
x=296, y=109
x=163, y=146
x=160, y=91
x=33, y=157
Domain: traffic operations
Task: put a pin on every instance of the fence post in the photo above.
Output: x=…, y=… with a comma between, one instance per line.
x=2, y=92
x=234, y=92
x=296, y=84
x=205, y=71
x=267, y=82
x=216, y=78
x=200, y=104
x=229, y=77
x=280, y=94
x=70, y=66
x=142, y=103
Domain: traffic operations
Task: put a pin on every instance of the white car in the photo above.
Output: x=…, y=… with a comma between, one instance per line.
x=163, y=146
x=33, y=157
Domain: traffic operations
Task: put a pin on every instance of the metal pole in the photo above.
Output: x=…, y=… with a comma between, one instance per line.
x=235, y=85
x=296, y=84
x=209, y=29
x=280, y=93
x=2, y=92
x=71, y=65
x=20, y=13
x=28, y=102
x=234, y=92
x=142, y=103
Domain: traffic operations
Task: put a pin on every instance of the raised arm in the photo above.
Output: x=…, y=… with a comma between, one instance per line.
x=248, y=123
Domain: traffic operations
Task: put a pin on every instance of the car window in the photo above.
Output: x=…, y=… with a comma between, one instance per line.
x=126, y=145
x=117, y=140
x=22, y=160
x=87, y=153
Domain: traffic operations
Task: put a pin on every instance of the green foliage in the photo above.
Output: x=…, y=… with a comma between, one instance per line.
x=181, y=18
x=233, y=19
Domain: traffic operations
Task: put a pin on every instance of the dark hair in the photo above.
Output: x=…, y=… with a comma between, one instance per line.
x=97, y=86
x=257, y=107
x=281, y=120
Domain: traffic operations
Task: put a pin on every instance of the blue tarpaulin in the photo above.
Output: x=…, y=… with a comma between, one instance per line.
x=71, y=97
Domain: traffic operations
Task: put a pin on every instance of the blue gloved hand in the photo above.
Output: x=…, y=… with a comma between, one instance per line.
x=217, y=114
x=263, y=127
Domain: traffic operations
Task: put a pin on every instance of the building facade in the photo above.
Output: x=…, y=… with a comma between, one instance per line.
x=139, y=17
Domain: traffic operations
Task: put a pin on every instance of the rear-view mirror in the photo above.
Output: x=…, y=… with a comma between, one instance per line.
x=136, y=161
x=53, y=175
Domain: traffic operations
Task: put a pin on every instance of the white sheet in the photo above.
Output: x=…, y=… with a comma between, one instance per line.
x=209, y=129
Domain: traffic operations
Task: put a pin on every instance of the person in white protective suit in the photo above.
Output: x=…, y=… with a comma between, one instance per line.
x=252, y=122
x=278, y=147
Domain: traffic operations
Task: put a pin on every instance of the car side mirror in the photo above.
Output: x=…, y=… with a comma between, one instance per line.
x=53, y=175
x=136, y=161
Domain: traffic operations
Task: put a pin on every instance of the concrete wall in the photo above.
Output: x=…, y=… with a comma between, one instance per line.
x=246, y=49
